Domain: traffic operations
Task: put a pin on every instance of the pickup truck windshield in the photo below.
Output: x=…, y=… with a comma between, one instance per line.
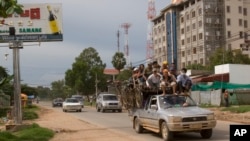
x=175, y=101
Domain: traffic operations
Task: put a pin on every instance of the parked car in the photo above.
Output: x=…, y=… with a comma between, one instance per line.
x=72, y=104
x=57, y=102
x=79, y=98
x=108, y=102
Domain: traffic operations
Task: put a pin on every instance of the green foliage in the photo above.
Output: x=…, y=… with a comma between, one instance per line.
x=59, y=89
x=3, y=111
x=30, y=112
x=237, y=109
x=35, y=133
x=7, y=136
x=124, y=75
x=221, y=56
x=8, y=7
x=85, y=70
x=196, y=67
x=118, y=61
x=30, y=133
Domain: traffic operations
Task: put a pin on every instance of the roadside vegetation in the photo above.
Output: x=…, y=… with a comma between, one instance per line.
x=237, y=109
x=31, y=132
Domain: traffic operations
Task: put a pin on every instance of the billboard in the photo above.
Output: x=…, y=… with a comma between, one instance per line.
x=37, y=23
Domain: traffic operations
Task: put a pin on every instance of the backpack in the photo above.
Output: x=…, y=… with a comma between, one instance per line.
x=188, y=84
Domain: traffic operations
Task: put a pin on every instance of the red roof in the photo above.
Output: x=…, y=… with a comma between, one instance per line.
x=215, y=77
x=111, y=71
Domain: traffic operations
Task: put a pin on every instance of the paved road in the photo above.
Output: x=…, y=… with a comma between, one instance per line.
x=120, y=122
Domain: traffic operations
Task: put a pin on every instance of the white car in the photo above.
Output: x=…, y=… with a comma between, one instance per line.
x=108, y=102
x=72, y=104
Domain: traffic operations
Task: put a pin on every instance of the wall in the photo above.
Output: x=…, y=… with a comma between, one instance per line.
x=236, y=72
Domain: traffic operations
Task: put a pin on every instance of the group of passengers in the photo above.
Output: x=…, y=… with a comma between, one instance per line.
x=162, y=76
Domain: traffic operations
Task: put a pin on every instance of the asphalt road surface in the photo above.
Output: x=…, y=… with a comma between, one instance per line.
x=120, y=122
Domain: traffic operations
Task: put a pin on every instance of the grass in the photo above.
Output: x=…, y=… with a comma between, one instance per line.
x=237, y=109
x=30, y=112
x=31, y=133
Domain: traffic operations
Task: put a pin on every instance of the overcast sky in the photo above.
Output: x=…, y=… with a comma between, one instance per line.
x=86, y=23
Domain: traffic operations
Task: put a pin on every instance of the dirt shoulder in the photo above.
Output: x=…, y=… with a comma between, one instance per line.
x=69, y=128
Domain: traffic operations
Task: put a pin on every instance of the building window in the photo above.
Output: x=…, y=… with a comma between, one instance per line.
x=228, y=21
x=187, y=16
x=163, y=38
x=240, y=9
x=193, y=25
x=229, y=34
x=182, y=42
x=183, y=65
x=200, y=23
x=194, y=38
x=188, y=40
x=188, y=52
x=182, y=31
x=189, y=63
x=182, y=19
x=245, y=24
x=240, y=22
x=193, y=14
x=188, y=28
x=228, y=9
x=200, y=11
x=245, y=11
x=200, y=36
x=201, y=48
x=194, y=50
x=201, y=61
x=183, y=53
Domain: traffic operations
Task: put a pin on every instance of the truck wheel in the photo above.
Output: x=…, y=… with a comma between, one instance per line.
x=97, y=109
x=166, y=134
x=102, y=110
x=206, y=133
x=137, y=125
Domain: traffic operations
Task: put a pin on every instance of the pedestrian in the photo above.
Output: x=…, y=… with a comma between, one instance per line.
x=226, y=98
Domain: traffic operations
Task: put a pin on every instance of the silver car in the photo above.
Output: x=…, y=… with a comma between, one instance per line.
x=108, y=102
x=72, y=104
x=173, y=114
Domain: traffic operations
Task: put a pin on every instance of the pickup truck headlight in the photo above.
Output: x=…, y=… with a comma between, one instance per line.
x=175, y=119
x=210, y=117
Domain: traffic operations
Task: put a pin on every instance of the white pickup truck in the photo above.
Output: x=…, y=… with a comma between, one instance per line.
x=171, y=114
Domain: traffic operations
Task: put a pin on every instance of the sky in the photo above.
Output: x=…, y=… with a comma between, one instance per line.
x=86, y=23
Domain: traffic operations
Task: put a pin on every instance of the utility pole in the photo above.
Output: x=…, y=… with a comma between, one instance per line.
x=96, y=87
x=16, y=45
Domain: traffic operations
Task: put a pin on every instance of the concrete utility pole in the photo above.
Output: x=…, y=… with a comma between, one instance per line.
x=16, y=45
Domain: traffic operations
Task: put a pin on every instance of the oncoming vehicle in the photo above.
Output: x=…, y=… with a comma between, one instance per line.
x=57, y=102
x=72, y=104
x=79, y=98
x=108, y=102
x=171, y=114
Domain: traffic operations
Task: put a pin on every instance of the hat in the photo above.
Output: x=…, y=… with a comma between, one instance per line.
x=135, y=69
x=165, y=62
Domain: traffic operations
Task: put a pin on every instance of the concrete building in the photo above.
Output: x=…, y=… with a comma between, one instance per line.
x=189, y=31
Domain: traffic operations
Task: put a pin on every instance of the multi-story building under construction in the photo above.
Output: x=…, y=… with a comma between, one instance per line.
x=189, y=31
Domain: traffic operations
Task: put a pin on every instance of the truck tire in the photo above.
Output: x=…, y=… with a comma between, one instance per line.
x=97, y=108
x=137, y=125
x=166, y=134
x=206, y=133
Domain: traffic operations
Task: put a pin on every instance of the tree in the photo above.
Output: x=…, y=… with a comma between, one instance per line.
x=8, y=7
x=222, y=56
x=59, y=89
x=118, y=61
x=85, y=70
